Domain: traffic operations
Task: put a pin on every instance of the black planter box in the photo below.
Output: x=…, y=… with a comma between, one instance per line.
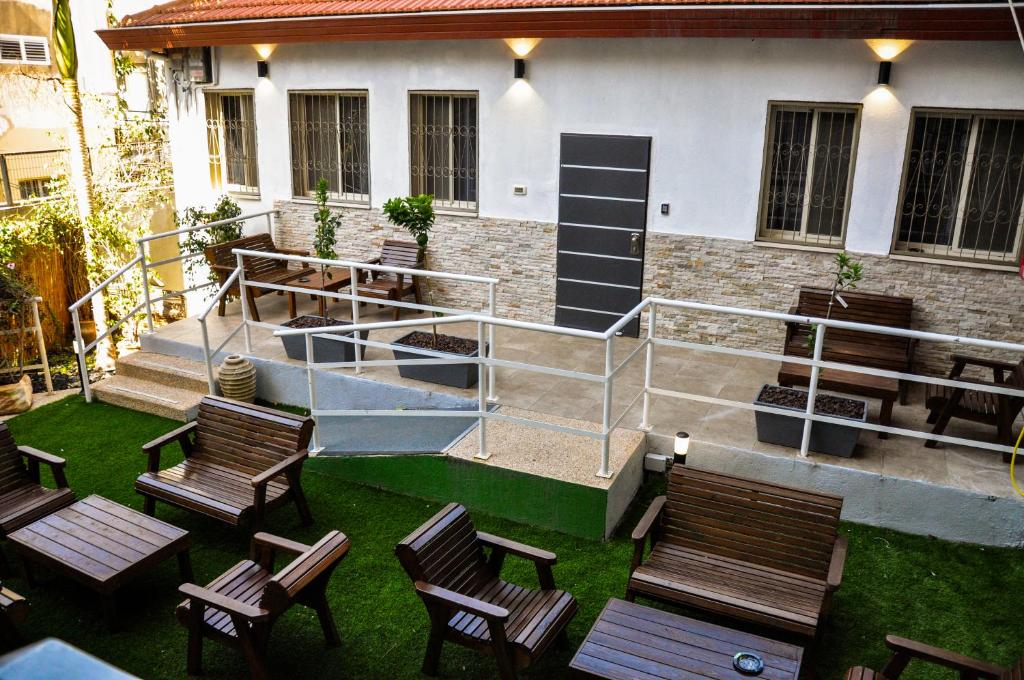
x=828, y=438
x=452, y=375
x=324, y=351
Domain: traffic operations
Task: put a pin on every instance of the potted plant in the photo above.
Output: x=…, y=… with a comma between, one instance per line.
x=15, y=300
x=829, y=438
x=416, y=215
x=325, y=237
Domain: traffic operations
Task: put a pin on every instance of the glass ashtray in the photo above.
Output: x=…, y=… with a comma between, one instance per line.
x=748, y=663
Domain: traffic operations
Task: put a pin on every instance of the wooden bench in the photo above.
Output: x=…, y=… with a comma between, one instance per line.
x=13, y=612
x=904, y=651
x=240, y=606
x=223, y=262
x=23, y=499
x=240, y=461
x=873, y=350
x=384, y=286
x=750, y=550
x=468, y=602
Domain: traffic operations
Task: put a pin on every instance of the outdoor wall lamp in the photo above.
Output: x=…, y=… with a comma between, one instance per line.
x=519, y=68
x=262, y=69
x=884, y=72
x=682, y=445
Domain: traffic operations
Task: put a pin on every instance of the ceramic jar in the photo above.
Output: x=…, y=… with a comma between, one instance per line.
x=237, y=378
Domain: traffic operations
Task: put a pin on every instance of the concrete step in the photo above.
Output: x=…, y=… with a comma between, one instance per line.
x=164, y=369
x=149, y=397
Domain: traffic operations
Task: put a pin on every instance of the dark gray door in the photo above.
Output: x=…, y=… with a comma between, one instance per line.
x=602, y=224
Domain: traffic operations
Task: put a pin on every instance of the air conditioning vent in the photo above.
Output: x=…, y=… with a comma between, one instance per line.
x=35, y=51
x=24, y=49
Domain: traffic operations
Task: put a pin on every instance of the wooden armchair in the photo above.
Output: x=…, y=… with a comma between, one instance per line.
x=467, y=601
x=23, y=499
x=999, y=410
x=384, y=286
x=240, y=461
x=904, y=651
x=754, y=551
x=13, y=612
x=240, y=606
x=258, y=269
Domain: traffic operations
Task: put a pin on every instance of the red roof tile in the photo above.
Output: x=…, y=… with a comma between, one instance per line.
x=196, y=11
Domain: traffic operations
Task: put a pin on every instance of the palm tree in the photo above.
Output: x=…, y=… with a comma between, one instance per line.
x=66, y=57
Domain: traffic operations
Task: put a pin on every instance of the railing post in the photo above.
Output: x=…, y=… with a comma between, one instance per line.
x=481, y=398
x=145, y=285
x=652, y=320
x=606, y=411
x=812, y=390
x=41, y=341
x=492, y=348
x=314, y=444
x=207, y=359
x=270, y=224
x=6, y=179
x=83, y=369
x=353, y=281
x=245, y=304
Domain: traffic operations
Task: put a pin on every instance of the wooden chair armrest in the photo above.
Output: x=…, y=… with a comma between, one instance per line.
x=838, y=562
x=643, y=530
x=516, y=548
x=372, y=260
x=263, y=539
x=263, y=478
x=456, y=601
x=905, y=650
x=42, y=456
x=222, y=268
x=165, y=439
x=224, y=604
x=994, y=364
x=293, y=251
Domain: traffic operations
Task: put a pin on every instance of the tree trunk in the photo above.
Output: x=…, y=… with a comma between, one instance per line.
x=81, y=179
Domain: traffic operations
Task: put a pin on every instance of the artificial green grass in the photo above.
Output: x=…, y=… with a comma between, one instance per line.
x=962, y=597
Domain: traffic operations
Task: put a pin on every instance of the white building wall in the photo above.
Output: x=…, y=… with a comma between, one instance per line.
x=703, y=101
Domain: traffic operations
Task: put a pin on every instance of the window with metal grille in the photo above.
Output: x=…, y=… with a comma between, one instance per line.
x=963, y=187
x=231, y=139
x=807, y=173
x=24, y=49
x=38, y=187
x=442, y=146
x=329, y=133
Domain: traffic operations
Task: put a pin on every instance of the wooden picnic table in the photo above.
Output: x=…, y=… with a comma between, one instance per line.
x=631, y=642
x=102, y=545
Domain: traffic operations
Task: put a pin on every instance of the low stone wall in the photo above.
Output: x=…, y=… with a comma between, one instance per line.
x=947, y=298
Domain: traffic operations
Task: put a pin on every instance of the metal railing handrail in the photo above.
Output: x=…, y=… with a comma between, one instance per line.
x=106, y=282
x=208, y=225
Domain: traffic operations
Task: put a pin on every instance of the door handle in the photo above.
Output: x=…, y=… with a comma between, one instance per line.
x=634, y=243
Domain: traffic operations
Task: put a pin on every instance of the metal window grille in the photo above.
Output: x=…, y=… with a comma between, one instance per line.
x=231, y=139
x=808, y=173
x=24, y=49
x=38, y=187
x=443, y=149
x=963, y=187
x=25, y=176
x=330, y=140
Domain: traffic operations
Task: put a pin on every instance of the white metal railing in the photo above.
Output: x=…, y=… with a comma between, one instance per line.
x=647, y=346
x=142, y=261
x=355, y=269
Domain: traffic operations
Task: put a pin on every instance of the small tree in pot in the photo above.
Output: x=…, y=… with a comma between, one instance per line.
x=415, y=214
x=15, y=302
x=845, y=275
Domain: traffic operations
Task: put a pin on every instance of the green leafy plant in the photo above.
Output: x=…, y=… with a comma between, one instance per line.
x=415, y=214
x=196, y=241
x=325, y=237
x=845, y=275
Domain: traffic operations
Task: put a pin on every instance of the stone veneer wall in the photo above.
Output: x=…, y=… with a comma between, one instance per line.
x=519, y=253
x=947, y=298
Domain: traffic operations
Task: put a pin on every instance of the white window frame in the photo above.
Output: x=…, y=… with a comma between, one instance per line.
x=801, y=237
x=21, y=40
x=952, y=252
x=447, y=206
x=248, y=191
x=342, y=199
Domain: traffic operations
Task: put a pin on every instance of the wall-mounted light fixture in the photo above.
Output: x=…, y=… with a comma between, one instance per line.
x=262, y=69
x=519, y=68
x=884, y=72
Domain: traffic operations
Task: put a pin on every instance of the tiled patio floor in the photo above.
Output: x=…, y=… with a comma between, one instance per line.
x=705, y=373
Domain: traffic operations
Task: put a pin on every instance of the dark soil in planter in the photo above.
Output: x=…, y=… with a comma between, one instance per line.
x=445, y=343
x=825, y=405
x=63, y=373
x=313, y=322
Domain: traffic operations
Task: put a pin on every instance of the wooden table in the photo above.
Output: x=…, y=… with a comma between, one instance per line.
x=338, y=279
x=102, y=545
x=632, y=642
